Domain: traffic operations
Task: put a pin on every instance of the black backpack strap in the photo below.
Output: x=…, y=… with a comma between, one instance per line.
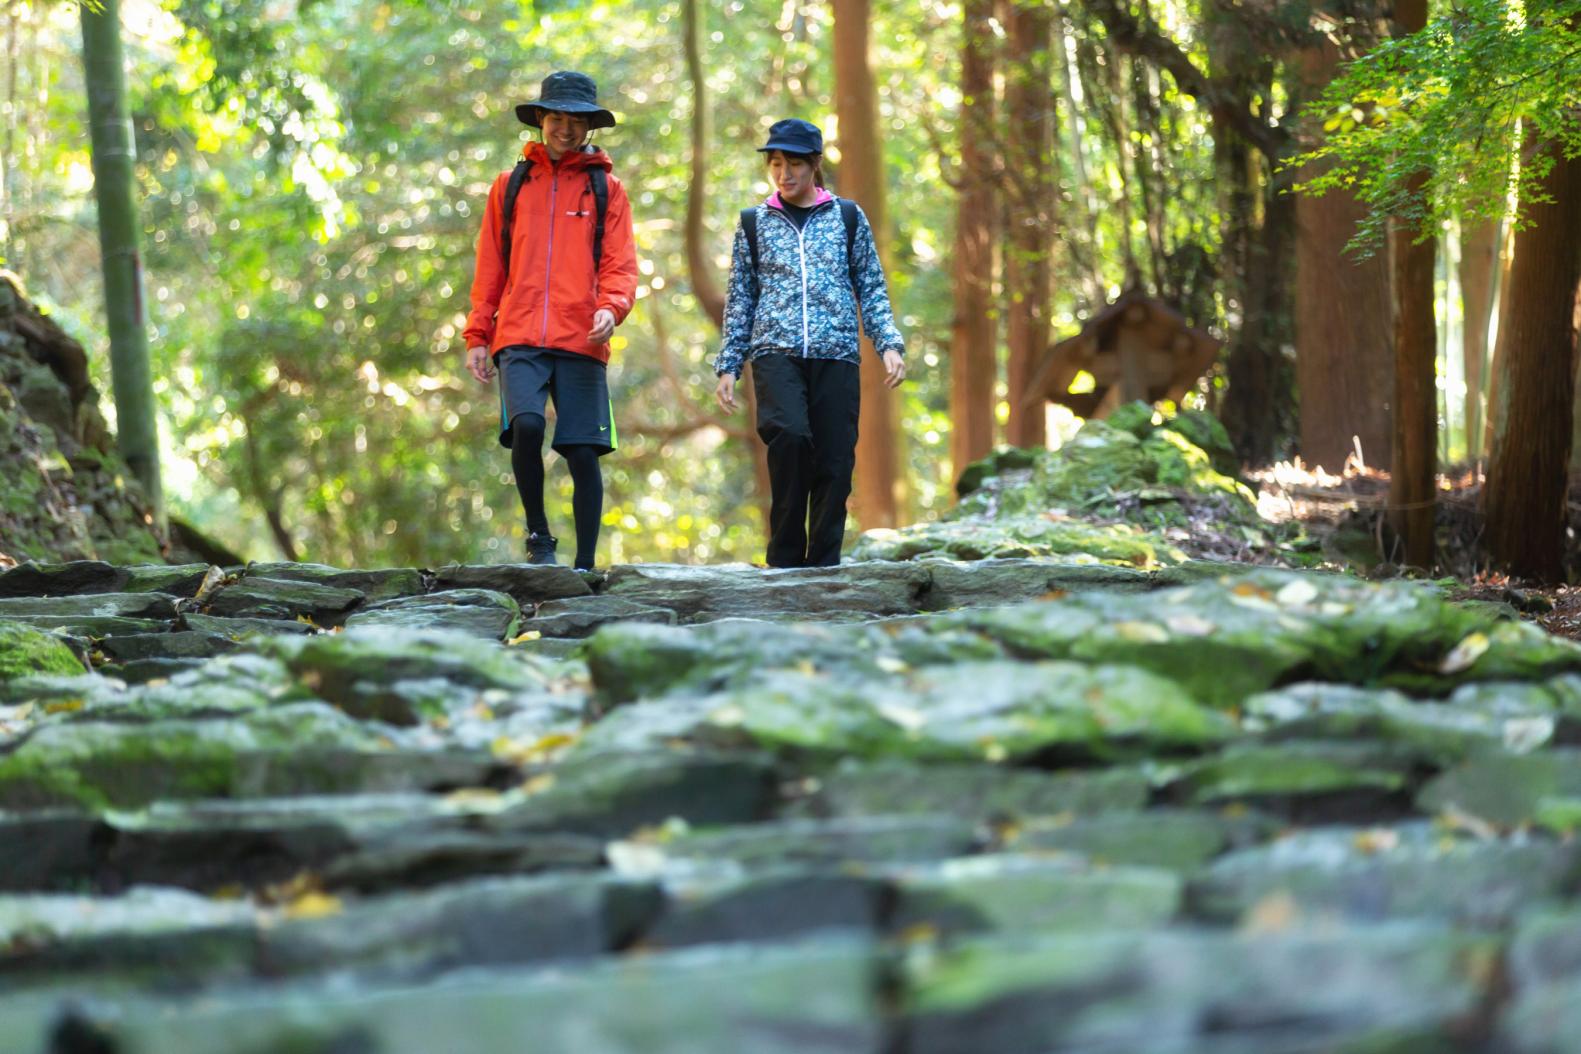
x=749, y=224
x=848, y=214
x=598, y=180
x=519, y=176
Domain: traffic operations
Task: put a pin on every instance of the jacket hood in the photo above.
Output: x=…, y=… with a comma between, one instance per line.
x=587, y=157
x=773, y=200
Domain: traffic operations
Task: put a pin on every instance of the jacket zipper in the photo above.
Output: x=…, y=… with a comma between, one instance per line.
x=801, y=249
x=548, y=265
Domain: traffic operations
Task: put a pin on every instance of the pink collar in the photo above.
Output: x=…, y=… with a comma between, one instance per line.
x=774, y=201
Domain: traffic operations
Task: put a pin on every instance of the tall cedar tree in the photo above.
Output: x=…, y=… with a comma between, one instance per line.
x=1344, y=340
x=1524, y=499
x=1479, y=259
x=972, y=359
x=878, y=485
x=1411, y=483
x=705, y=287
x=1032, y=186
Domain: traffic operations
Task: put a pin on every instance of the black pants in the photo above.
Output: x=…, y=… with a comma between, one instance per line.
x=807, y=410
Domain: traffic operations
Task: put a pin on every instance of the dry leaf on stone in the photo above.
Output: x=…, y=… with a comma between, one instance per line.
x=1141, y=632
x=1377, y=840
x=1190, y=626
x=313, y=904
x=1465, y=654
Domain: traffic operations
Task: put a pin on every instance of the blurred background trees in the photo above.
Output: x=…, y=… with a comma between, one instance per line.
x=311, y=174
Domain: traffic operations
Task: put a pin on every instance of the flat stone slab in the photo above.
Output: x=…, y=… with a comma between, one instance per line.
x=1011, y=893
x=156, y=606
x=375, y=585
x=1409, y=870
x=474, y=612
x=92, y=627
x=304, y=748
x=975, y=792
x=797, y=1000
x=214, y=843
x=983, y=583
x=1180, y=840
x=578, y=617
x=1506, y=789
x=280, y=598
x=1390, y=987
x=700, y=594
x=92, y=576
x=615, y=795
x=800, y=843
x=990, y=711
x=237, y=628
x=785, y=905
x=528, y=584
x=190, y=644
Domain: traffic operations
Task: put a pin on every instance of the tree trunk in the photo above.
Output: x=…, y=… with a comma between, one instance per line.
x=699, y=268
x=1501, y=298
x=1479, y=255
x=878, y=486
x=1414, y=459
x=704, y=286
x=1258, y=399
x=1524, y=499
x=1344, y=340
x=972, y=359
x=1032, y=188
x=114, y=174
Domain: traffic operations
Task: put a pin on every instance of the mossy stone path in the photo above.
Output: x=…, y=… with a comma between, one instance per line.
x=895, y=807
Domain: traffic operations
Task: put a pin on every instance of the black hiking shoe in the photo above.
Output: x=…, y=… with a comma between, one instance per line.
x=540, y=549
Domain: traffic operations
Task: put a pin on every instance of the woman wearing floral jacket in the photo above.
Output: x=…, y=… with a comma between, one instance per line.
x=804, y=277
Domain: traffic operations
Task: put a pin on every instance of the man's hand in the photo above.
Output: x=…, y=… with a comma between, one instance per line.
x=481, y=365
x=725, y=392
x=894, y=368
x=603, y=326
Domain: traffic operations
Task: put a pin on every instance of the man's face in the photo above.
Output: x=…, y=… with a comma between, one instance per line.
x=563, y=132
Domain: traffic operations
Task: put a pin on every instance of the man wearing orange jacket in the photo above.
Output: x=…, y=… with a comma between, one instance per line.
x=556, y=273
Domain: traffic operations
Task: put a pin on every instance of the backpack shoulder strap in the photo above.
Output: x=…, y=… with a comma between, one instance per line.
x=848, y=214
x=598, y=180
x=749, y=224
x=519, y=176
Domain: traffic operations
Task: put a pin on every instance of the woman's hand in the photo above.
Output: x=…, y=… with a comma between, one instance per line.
x=480, y=364
x=894, y=368
x=725, y=392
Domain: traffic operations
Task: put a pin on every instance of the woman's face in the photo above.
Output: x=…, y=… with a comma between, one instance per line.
x=563, y=132
x=792, y=176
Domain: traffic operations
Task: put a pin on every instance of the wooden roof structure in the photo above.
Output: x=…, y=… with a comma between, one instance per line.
x=1139, y=347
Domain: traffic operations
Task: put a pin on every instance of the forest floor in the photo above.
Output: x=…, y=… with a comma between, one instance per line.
x=1353, y=507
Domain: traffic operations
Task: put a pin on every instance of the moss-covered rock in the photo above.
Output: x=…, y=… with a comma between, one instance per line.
x=25, y=650
x=298, y=749
x=1104, y=495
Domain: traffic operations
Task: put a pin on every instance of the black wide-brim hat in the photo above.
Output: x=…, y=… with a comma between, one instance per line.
x=567, y=92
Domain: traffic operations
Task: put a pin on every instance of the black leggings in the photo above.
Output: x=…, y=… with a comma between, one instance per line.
x=587, y=495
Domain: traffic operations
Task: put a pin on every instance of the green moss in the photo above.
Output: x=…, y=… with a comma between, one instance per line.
x=24, y=650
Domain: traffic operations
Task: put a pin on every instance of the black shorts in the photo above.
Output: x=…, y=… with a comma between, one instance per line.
x=529, y=377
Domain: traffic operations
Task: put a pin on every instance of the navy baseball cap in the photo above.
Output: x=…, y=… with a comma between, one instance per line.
x=794, y=136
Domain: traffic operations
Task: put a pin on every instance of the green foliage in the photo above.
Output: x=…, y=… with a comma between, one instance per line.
x=1453, y=100
x=311, y=178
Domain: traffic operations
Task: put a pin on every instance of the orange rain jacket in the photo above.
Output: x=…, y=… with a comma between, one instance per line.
x=548, y=298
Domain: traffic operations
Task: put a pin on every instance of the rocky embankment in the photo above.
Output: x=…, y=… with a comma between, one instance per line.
x=891, y=808
x=64, y=492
